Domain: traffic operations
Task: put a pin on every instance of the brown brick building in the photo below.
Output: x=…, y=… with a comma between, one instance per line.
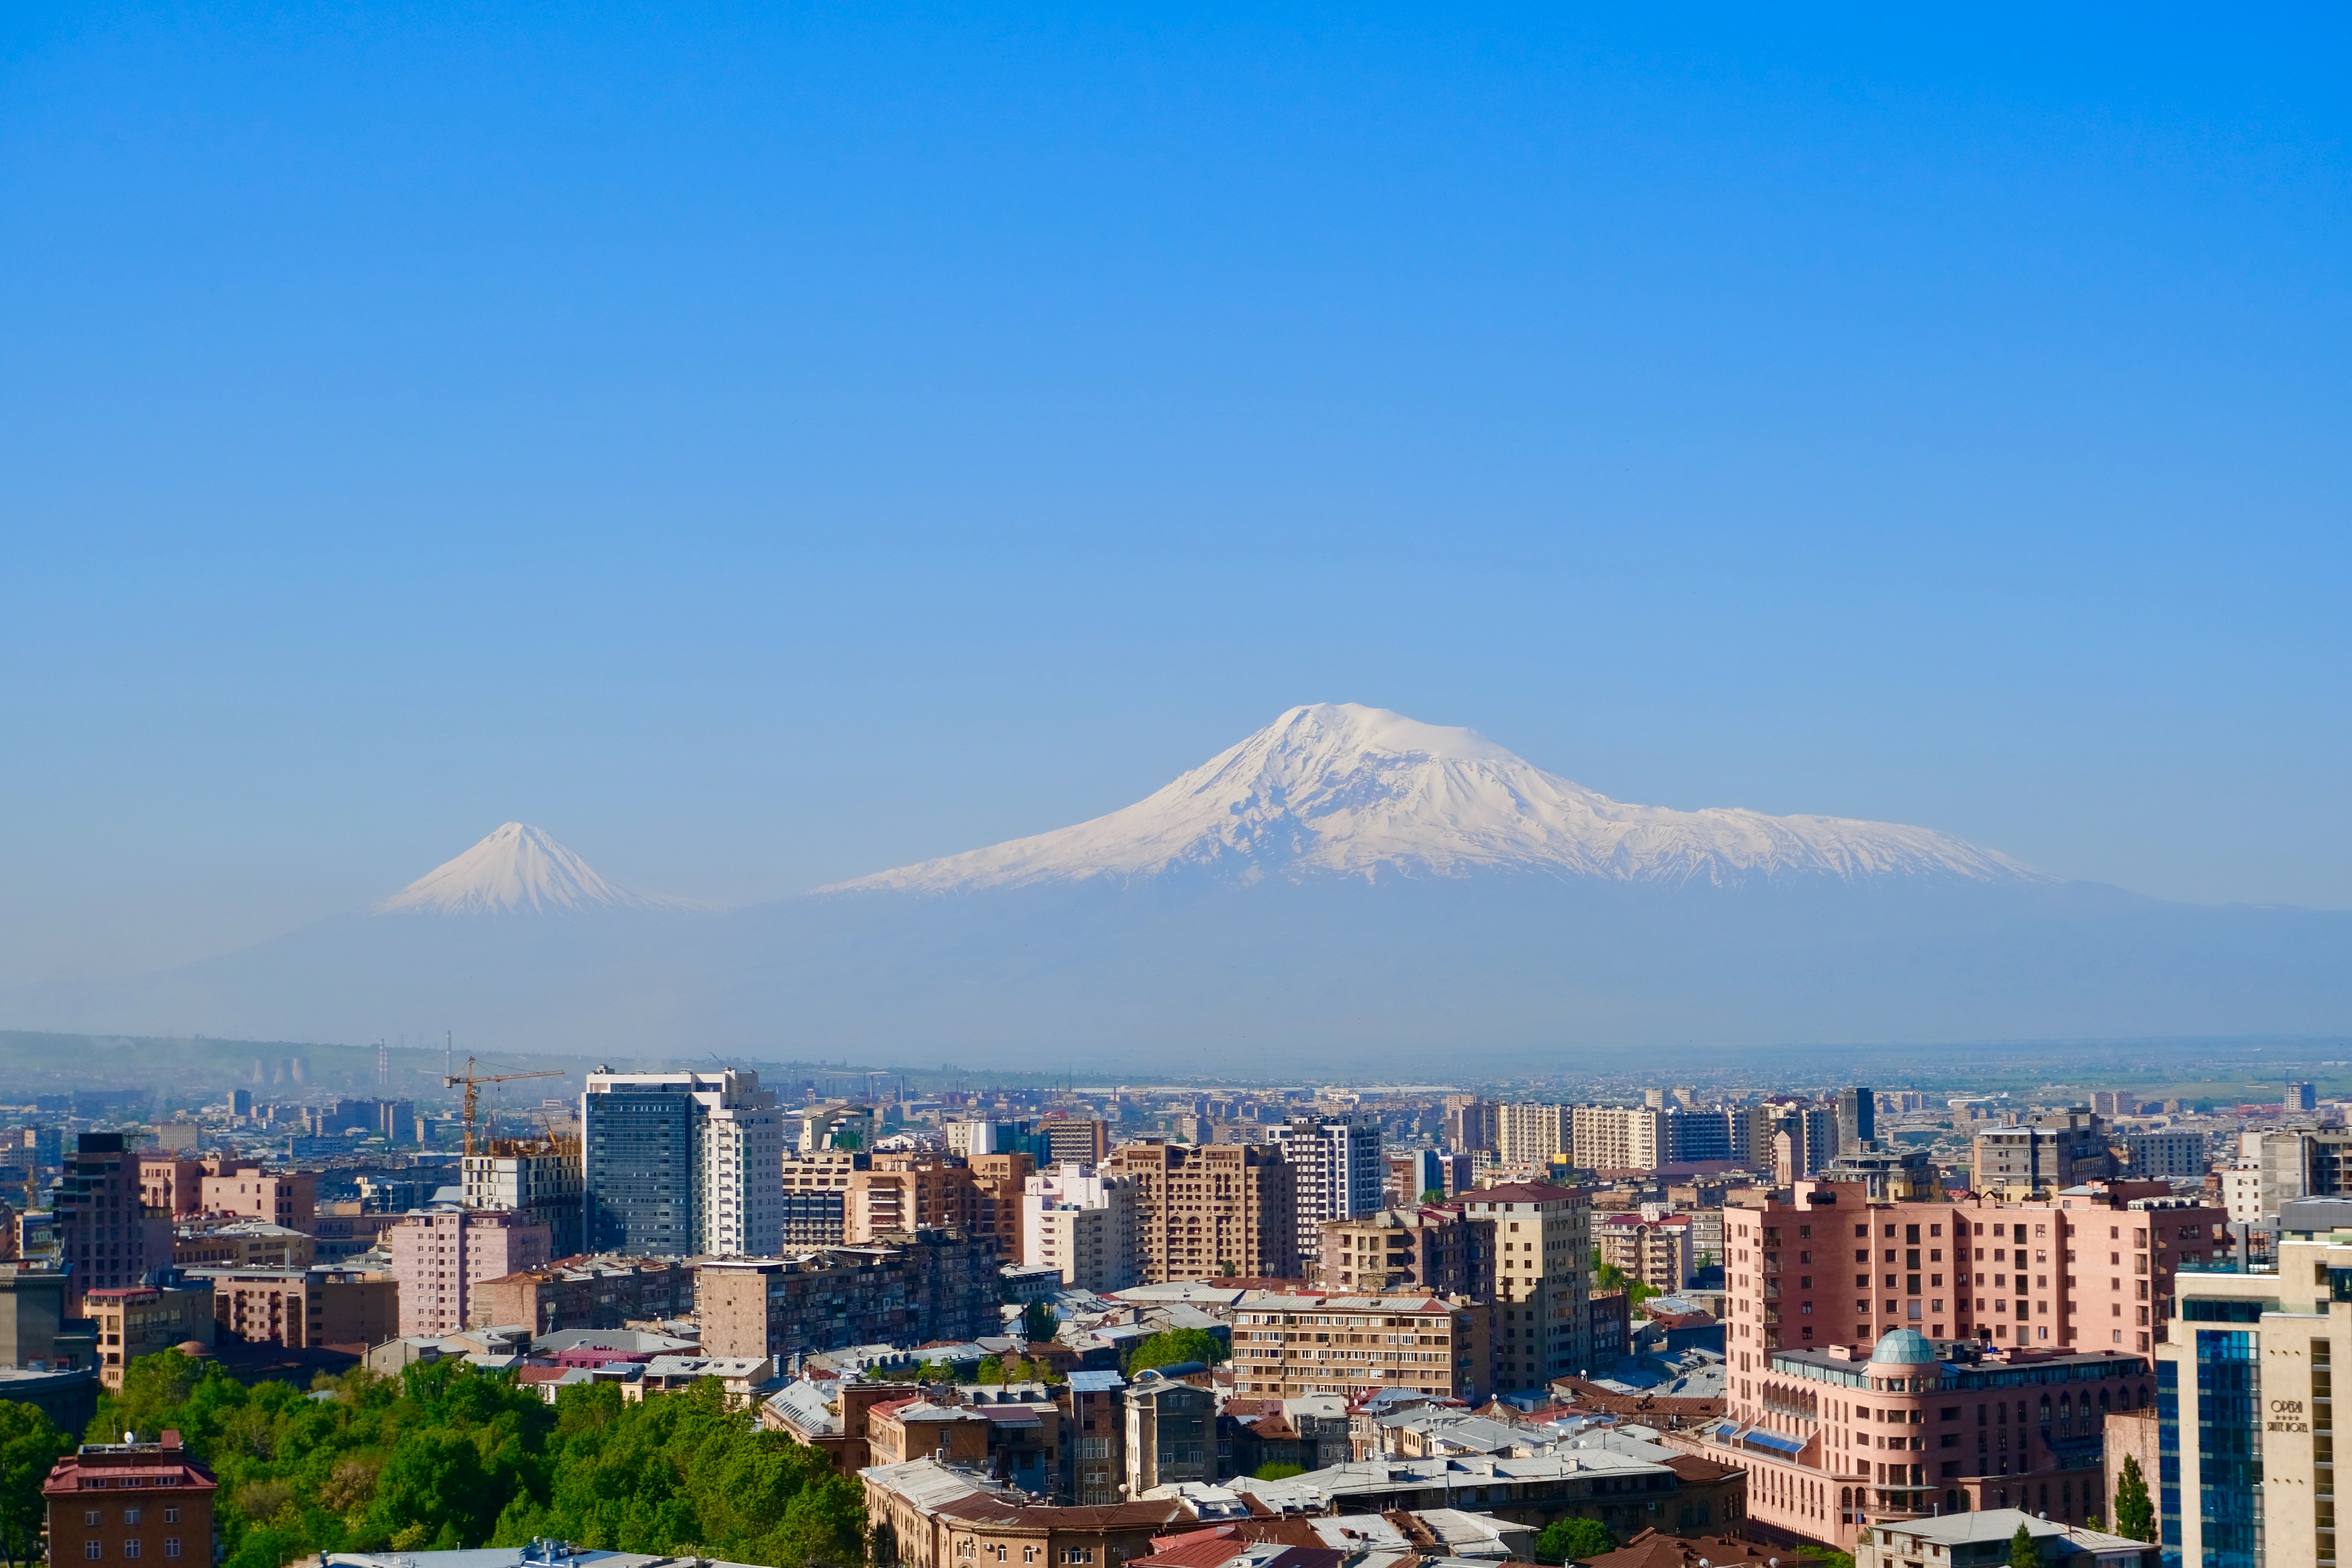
x=904, y=1290
x=601, y=1292
x=304, y=1307
x=117, y=1502
x=108, y=1237
x=1000, y=1180
x=1205, y=1212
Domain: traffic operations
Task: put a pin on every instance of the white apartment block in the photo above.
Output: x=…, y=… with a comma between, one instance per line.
x=1342, y=1171
x=1530, y=1134
x=1614, y=1137
x=1083, y=1222
x=683, y=1163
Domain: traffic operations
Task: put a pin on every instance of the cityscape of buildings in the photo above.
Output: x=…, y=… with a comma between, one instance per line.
x=1806, y=1316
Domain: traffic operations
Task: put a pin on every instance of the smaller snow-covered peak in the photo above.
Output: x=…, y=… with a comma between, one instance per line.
x=518, y=868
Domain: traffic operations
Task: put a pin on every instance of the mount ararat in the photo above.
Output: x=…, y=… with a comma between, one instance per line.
x=1347, y=889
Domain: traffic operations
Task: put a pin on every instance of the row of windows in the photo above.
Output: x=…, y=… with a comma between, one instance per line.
x=130, y=1516
x=95, y=1551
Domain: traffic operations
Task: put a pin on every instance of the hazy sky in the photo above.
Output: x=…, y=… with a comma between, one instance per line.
x=763, y=446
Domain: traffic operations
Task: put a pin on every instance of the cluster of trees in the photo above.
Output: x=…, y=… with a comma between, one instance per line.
x=1172, y=1346
x=1573, y=1540
x=445, y=1455
x=1609, y=1277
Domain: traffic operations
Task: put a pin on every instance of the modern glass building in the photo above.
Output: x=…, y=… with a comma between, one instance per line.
x=2246, y=1442
x=683, y=1163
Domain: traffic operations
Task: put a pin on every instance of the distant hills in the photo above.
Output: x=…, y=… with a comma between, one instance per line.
x=1347, y=890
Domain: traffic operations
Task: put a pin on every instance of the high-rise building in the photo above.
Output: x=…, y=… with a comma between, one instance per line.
x=2245, y=1400
x=1857, y=1121
x=1472, y=1126
x=1083, y=1222
x=1614, y=1137
x=1659, y=1252
x=1527, y=1133
x=1542, y=1325
x=1209, y=1211
x=682, y=1164
x=2165, y=1155
x=2075, y=1271
x=817, y=1195
x=1699, y=1137
x=999, y=1181
x=1071, y=1143
x=2300, y=1097
x=1342, y=1172
x=543, y=1185
x=908, y=1191
x=441, y=1256
x=108, y=1236
x=2056, y=1149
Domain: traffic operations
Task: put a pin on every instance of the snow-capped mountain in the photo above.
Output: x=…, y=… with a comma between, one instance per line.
x=1338, y=789
x=518, y=868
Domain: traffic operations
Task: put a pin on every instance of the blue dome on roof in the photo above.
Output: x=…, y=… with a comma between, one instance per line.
x=1904, y=1347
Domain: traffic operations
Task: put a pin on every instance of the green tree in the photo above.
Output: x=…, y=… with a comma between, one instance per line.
x=2022, y=1552
x=1276, y=1471
x=1170, y=1346
x=447, y=1455
x=1574, y=1540
x=1433, y=1195
x=1039, y=1322
x=29, y=1444
x=2135, y=1513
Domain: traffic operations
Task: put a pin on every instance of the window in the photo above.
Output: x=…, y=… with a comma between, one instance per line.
x=171, y=1516
x=89, y=1550
x=131, y=1547
x=1077, y=1554
x=130, y=1516
x=89, y=1518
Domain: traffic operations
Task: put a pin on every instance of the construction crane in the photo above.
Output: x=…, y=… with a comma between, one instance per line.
x=474, y=1081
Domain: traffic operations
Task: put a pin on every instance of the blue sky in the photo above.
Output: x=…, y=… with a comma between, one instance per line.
x=766, y=445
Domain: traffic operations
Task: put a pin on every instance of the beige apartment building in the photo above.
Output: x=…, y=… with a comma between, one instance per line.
x=1204, y=1212
x=1542, y=1246
x=1614, y=1137
x=1291, y=1346
x=1530, y=1134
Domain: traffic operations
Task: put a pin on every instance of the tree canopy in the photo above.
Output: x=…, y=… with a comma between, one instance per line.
x=1574, y=1540
x=2134, y=1512
x=29, y=1444
x=447, y=1455
x=1171, y=1346
x=2022, y=1552
x=1039, y=1322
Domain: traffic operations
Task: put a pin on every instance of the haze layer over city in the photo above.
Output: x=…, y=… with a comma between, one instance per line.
x=1281, y=789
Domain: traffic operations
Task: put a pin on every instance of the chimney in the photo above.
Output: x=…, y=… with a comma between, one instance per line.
x=170, y=1439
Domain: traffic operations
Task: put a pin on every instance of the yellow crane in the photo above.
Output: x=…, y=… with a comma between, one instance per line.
x=474, y=1081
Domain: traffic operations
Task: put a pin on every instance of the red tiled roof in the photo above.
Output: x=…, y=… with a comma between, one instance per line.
x=1651, y=1550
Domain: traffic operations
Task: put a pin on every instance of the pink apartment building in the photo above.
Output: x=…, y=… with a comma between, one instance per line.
x=441, y=1256
x=2018, y=1327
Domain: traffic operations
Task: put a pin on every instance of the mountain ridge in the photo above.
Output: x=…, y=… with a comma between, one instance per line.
x=1342, y=789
